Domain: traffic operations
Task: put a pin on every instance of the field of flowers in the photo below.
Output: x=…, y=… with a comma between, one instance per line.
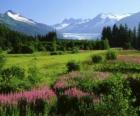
x=86, y=87
x=28, y=103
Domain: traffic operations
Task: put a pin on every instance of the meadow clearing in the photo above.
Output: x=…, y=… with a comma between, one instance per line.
x=88, y=83
x=50, y=66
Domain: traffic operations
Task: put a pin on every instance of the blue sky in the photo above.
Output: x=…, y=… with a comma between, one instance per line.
x=54, y=11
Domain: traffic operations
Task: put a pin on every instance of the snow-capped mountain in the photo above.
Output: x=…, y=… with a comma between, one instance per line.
x=69, y=28
x=19, y=23
x=68, y=22
x=72, y=27
x=131, y=21
x=18, y=17
x=94, y=25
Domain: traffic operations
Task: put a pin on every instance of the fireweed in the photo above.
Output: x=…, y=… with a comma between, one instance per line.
x=34, y=102
x=74, y=92
x=13, y=98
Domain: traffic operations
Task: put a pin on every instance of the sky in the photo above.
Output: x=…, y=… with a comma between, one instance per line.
x=54, y=11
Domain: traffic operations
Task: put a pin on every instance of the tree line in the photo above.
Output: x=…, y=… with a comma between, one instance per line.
x=16, y=42
x=122, y=36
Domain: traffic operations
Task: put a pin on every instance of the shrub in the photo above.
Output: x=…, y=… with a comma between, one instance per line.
x=22, y=49
x=135, y=87
x=111, y=55
x=97, y=58
x=13, y=71
x=118, y=102
x=73, y=66
x=12, y=79
x=26, y=49
x=2, y=61
x=34, y=76
x=106, y=44
x=75, y=50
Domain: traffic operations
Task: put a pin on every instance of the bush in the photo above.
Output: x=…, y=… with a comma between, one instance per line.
x=26, y=49
x=13, y=71
x=97, y=58
x=111, y=55
x=118, y=102
x=34, y=76
x=21, y=50
x=75, y=50
x=106, y=44
x=12, y=79
x=73, y=66
x=2, y=61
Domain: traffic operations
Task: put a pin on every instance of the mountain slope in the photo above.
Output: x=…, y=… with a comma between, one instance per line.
x=19, y=23
x=131, y=21
x=94, y=25
x=88, y=28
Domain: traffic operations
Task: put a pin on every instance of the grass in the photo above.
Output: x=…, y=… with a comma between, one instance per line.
x=52, y=66
x=49, y=66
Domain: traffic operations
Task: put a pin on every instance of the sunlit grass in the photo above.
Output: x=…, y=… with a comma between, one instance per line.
x=49, y=66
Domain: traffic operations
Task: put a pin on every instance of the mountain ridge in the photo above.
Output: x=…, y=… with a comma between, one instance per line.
x=98, y=22
x=19, y=23
x=70, y=28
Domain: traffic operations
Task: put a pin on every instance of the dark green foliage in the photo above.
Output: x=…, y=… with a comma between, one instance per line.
x=106, y=44
x=74, y=106
x=73, y=66
x=9, y=79
x=2, y=60
x=111, y=55
x=26, y=50
x=21, y=50
x=22, y=104
x=38, y=107
x=122, y=36
x=97, y=58
x=13, y=71
x=15, y=42
x=75, y=50
x=118, y=101
x=34, y=76
x=135, y=87
x=115, y=98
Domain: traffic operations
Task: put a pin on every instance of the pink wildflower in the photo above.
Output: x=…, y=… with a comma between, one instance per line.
x=13, y=98
x=61, y=84
x=74, y=92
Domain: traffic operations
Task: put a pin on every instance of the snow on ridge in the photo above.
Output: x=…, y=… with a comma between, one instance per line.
x=114, y=16
x=61, y=26
x=17, y=17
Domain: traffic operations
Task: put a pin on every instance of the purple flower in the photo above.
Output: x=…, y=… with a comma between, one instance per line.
x=30, y=96
x=74, y=92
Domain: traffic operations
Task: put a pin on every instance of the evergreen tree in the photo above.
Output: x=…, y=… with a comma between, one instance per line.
x=134, y=40
x=106, y=33
x=138, y=37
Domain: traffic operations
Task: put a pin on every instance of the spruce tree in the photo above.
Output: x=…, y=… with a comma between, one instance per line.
x=138, y=37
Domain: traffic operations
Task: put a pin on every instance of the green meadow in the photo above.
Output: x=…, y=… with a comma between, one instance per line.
x=50, y=66
x=84, y=82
